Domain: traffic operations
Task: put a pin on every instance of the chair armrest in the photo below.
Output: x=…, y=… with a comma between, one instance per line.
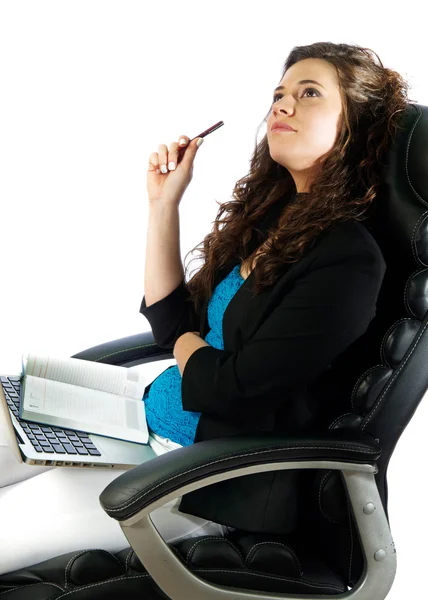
x=134, y=495
x=127, y=352
x=166, y=477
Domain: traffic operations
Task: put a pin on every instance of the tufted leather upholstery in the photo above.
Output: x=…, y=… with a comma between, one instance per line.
x=384, y=379
x=244, y=561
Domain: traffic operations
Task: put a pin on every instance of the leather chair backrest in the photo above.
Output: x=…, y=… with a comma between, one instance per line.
x=384, y=375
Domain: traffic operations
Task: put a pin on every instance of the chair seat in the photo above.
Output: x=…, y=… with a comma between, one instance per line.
x=242, y=560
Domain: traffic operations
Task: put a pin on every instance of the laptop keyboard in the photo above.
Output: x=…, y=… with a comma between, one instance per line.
x=46, y=438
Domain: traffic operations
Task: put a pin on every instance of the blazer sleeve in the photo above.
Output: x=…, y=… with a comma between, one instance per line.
x=171, y=316
x=326, y=310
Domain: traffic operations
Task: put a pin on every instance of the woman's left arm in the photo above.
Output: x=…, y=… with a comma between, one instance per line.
x=185, y=346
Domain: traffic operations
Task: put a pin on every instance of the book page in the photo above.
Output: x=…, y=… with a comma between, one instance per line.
x=128, y=382
x=70, y=406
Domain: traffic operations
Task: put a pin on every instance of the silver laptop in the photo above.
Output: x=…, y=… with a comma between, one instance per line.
x=37, y=444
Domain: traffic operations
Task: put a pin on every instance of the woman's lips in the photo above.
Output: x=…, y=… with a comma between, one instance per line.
x=282, y=130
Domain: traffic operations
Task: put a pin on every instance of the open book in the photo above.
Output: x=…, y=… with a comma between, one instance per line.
x=84, y=396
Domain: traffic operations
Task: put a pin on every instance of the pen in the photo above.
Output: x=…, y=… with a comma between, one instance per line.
x=201, y=135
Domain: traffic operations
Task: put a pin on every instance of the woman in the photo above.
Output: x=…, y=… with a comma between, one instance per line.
x=303, y=274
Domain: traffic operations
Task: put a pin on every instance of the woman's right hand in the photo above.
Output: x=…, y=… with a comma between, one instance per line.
x=169, y=187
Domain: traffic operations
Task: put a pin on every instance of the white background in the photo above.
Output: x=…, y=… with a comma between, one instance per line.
x=88, y=89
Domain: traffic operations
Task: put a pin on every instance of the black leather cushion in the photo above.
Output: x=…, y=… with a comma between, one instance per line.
x=85, y=575
x=251, y=561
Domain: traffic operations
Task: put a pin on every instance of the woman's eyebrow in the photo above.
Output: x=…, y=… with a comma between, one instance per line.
x=281, y=87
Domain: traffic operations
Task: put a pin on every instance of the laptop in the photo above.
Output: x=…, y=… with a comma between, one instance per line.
x=37, y=444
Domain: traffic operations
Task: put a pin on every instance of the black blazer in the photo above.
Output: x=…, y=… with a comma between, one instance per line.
x=277, y=348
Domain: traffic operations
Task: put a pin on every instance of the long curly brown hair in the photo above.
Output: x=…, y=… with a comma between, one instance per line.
x=373, y=98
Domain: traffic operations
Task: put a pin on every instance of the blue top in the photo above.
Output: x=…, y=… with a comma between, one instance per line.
x=164, y=409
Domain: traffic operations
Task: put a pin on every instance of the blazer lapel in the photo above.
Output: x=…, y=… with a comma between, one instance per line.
x=270, y=218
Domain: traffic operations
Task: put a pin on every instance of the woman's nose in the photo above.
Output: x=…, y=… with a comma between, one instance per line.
x=283, y=106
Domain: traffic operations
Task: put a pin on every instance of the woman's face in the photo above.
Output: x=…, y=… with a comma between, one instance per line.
x=313, y=110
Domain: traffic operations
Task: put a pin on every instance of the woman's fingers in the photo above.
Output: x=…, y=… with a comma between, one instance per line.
x=163, y=156
x=172, y=156
x=185, y=138
x=154, y=162
x=165, y=159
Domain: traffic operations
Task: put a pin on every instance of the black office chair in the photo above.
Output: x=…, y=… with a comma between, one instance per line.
x=342, y=544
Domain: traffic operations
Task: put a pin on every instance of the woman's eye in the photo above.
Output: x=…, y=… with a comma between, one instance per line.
x=277, y=96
